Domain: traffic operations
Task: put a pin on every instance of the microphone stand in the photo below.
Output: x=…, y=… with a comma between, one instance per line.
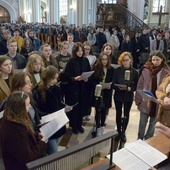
x=97, y=116
x=123, y=119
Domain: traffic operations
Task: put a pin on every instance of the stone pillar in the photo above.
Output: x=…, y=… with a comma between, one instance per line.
x=52, y=11
x=29, y=11
x=36, y=10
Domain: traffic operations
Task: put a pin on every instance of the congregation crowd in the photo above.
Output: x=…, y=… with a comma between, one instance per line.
x=36, y=80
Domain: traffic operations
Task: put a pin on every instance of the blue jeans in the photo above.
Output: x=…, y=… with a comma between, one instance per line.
x=52, y=146
x=142, y=126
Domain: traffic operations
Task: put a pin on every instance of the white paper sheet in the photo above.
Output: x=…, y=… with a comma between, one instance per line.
x=120, y=85
x=1, y=114
x=106, y=85
x=145, y=152
x=86, y=75
x=55, y=124
x=137, y=155
x=127, y=161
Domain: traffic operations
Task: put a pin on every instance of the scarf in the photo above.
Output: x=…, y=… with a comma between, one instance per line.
x=154, y=71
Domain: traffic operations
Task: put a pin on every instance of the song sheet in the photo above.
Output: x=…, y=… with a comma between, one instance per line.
x=86, y=75
x=120, y=85
x=147, y=95
x=137, y=155
x=55, y=124
x=106, y=85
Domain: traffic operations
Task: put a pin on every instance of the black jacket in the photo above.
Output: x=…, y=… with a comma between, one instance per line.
x=51, y=104
x=106, y=93
x=20, y=59
x=118, y=78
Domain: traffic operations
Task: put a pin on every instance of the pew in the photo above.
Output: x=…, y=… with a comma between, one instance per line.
x=73, y=157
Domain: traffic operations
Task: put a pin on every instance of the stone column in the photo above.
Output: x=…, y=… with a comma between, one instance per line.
x=36, y=10
x=52, y=11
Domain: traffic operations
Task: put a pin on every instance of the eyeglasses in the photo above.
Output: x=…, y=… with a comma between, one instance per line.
x=87, y=48
x=126, y=60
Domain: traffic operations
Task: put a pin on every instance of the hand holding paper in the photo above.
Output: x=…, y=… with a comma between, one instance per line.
x=86, y=75
x=56, y=123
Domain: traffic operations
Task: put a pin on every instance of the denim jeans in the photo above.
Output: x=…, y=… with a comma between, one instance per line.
x=52, y=146
x=142, y=126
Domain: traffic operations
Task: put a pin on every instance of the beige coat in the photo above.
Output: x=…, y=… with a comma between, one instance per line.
x=162, y=92
x=4, y=89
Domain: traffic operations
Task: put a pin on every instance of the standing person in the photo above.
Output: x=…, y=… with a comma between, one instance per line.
x=157, y=44
x=126, y=44
x=91, y=37
x=163, y=95
x=47, y=96
x=26, y=48
x=144, y=47
x=22, y=81
x=3, y=42
x=6, y=72
x=19, y=143
x=88, y=52
x=150, y=77
x=63, y=57
x=123, y=96
x=35, y=41
x=34, y=68
x=18, y=39
x=107, y=47
x=100, y=39
x=47, y=56
x=18, y=60
x=103, y=72
x=135, y=50
x=114, y=41
x=166, y=41
x=77, y=91
x=70, y=38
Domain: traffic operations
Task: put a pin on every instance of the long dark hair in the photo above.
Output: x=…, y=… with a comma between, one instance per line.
x=48, y=74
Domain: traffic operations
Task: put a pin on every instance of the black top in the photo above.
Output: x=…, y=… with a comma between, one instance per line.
x=118, y=78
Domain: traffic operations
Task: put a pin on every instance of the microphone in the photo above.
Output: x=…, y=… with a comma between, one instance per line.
x=127, y=75
x=98, y=90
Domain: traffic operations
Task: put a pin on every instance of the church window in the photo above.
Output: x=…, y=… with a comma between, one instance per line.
x=157, y=5
x=63, y=7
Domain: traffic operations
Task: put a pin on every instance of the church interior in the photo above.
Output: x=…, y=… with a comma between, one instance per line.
x=48, y=19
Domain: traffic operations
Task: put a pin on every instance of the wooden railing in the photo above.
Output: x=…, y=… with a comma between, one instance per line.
x=73, y=157
x=121, y=18
x=129, y=21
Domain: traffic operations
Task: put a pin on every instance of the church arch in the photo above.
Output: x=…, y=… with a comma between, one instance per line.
x=10, y=9
x=4, y=15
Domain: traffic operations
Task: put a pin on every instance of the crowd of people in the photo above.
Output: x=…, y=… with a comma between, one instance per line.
x=35, y=83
